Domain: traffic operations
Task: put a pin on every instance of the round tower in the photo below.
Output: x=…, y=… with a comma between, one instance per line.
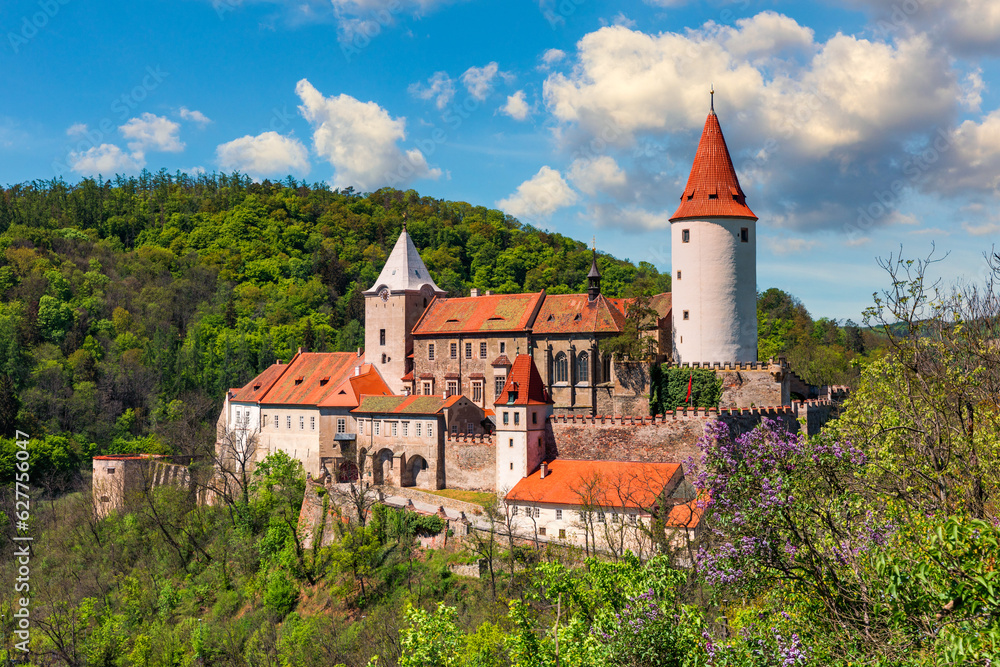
x=713, y=255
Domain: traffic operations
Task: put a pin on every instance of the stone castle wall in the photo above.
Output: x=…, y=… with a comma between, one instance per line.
x=470, y=462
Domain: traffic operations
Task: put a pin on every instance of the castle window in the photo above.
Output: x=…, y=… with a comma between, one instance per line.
x=454, y=429
x=419, y=428
x=430, y=352
x=470, y=428
x=583, y=367
x=560, y=368
x=503, y=347
x=383, y=357
x=685, y=236
x=468, y=350
x=394, y=431
x=600, y=516
x=713, y=196
x=513, y=510
x=538, y=513
x=406, y=427
x=678, y=274
x=454, y=350
x=511, y=444
x=341, y=425
x=302, y=423
x=477, y=392
x=541, y=530
x=452, y=387
x=685, y=314
x=606, y=368
x=288, y=421
x=430, y=430
x=745, y=234
x=506, y=418
x=482, y=350
x=381, y=336
x=498, y=384
x=517, y=419
x=275, y=421
x=428, y=387
x=361, y=427
x=378, y=427
x=534, y=417
x=559, y=516
x=511, y=465
x=562, y=533
x=111, y=471
x=312, y=423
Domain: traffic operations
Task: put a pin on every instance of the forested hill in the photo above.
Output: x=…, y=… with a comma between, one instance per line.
x=130, y=306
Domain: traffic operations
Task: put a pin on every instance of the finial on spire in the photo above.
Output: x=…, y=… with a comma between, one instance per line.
x=712, y=98
x=404, y=221
x=595, y=243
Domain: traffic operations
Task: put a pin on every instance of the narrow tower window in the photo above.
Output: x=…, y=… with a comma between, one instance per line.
x=678, y=274
x=685, y=236
x=381, y=336
x=745, y=234
x=685, y=314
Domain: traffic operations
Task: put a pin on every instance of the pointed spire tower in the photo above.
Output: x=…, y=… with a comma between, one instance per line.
x=594, y=277
x=714, y=259
x=393, y=305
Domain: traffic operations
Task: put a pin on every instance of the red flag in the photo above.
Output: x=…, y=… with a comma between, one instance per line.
x=688, y=399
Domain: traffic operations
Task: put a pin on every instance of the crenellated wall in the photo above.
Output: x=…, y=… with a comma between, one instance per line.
x=470, y=462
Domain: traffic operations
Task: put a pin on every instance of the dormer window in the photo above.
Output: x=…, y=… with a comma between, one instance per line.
x=299, y=379
x=416, y=273
x=324, y=380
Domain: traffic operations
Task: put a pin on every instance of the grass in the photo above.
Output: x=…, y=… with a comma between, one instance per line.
x=477, y=497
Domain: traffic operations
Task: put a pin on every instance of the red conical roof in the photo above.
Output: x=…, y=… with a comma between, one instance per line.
x=712, y=188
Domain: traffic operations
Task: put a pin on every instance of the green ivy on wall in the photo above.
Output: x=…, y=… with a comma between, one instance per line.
x=669, y=388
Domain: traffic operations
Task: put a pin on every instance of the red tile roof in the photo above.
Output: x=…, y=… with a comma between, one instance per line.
x=367, y=382
x=257, y=387
x=525, y=380
x=662, y=304
x=502, y=360
x=685, y=515
x=496, y=312
x=712, y=188
x=576, y=313
x=601, y=483
x=311, y=377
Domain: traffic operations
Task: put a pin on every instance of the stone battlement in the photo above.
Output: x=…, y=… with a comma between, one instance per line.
x=470, y=439
x=672, y=416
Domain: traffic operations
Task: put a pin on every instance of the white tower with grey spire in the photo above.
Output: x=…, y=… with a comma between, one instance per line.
x=392, y=307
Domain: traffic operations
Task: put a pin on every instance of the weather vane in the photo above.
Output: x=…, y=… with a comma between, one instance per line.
x=711, y=93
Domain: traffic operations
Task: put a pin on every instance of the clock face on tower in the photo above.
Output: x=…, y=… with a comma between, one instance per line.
x=384, y=294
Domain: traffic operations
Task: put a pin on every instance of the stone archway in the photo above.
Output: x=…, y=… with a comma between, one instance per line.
x=418, y=470
x=382, y=467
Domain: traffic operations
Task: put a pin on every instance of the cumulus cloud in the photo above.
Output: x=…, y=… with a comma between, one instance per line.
x=601, y=174
x=196, y=117
x=361, y=141
x=266, y=155
x=439, y=87
x=964, y=26
x=516, y=106
x=630, y=217
x=479, y=80
x=815, y=128
x=552, y=56
x=105, y=159
x=540, y=196
x=152, y=132
x=76, y=130
x=964, y=159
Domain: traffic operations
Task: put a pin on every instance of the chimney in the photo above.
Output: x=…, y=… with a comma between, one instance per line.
x=545, y=469
x=474, y=291
x=359, y=352
x=300, y=350
x=357, y=371
x=489, y=292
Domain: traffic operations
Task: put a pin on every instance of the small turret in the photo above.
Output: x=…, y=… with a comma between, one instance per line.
x=594, y=278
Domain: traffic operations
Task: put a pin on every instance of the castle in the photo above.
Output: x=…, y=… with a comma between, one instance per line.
x=505, y=393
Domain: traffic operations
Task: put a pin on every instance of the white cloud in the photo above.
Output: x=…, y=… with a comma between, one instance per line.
x=105, y=159
x=601, y=174
x=621, y=19
x=360, y=140
x=972, y=90
x=629, y=218
x=196, y=117
x=540, y=196
x=76, y=130
x=516, y=106
x=266, y=155
x=440, y=87
x=552, y=56
x=982, y=228
x=965, y=26
x=966, y=158
x=194, y=171
x=479, y=80
x=766, y=33
x=790, y=245
x=152, y=132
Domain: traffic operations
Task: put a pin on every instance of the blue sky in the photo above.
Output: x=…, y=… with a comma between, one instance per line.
x=856, y=126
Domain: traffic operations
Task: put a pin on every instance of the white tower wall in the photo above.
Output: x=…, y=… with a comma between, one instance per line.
x=717, y=288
